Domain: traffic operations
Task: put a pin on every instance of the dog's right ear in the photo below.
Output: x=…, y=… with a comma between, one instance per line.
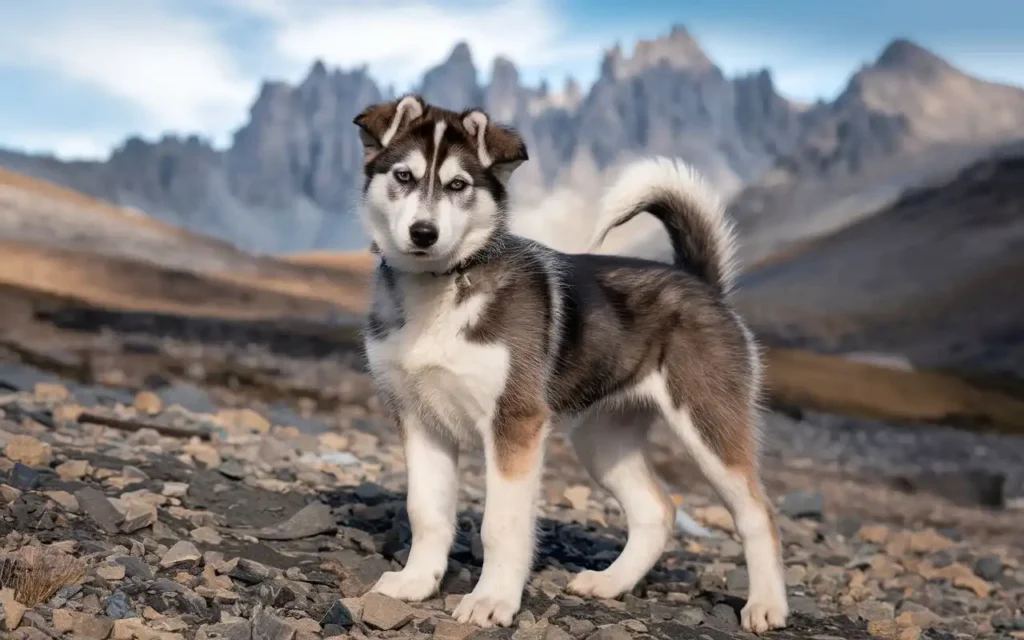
x=379, y=123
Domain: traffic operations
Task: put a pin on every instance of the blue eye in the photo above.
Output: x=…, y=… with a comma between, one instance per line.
x=458, y=184
x=403, y=175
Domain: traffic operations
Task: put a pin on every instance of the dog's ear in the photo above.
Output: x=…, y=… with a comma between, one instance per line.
x=499, y=148
x=379, y=123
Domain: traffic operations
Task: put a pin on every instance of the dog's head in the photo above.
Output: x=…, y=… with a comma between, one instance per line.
x=435, y=181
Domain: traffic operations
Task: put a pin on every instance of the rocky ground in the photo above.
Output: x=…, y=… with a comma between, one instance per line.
x=166, y=497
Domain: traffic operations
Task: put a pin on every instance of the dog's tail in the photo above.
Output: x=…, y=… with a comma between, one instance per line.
x=702, y=237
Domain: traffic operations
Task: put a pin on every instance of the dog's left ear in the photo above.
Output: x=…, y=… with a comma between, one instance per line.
x=499, y=148
x=379, y=123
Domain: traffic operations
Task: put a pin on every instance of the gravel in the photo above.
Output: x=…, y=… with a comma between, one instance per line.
x=263, y=531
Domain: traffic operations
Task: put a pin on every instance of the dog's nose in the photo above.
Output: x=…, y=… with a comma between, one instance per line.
x=423, y=233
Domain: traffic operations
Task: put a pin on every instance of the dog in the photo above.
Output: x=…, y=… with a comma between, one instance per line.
x=476, y=334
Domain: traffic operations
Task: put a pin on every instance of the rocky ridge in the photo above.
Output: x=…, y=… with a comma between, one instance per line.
x=289, y=178
x=907, y=119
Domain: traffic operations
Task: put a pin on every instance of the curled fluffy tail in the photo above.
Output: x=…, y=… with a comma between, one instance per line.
x=703, y=240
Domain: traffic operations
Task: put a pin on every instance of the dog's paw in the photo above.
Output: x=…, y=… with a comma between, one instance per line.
x=488, y=606
x=759, y=616
x=406, y=585
x=599, y=584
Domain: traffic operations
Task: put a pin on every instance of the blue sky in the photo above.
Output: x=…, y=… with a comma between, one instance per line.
x=77, y=77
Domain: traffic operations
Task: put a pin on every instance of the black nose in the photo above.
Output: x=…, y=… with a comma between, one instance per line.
x=423, y=233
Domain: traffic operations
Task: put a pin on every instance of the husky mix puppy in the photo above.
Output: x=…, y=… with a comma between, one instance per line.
x=475, y=334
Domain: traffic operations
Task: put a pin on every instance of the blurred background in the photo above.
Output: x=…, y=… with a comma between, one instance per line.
x=177, y=229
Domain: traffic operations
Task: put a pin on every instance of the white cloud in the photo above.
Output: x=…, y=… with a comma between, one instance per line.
x=168, y=65
x=67, y=145
x=400, y=40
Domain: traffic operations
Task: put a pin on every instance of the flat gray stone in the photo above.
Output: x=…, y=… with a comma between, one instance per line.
x=101, y=510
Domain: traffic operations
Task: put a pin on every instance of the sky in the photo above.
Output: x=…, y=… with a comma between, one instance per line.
x=77, y=77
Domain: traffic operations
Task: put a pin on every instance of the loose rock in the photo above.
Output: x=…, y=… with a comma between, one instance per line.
x=980, y=588
x=93, y=627
x=578, y=496
x=111, y=572
x=612, y=632
x=451, y=630
x=339, y=616
x=138, y=516
x=384, y=613
x=249, y=571
x=64, y=499
x=235, y=630
x=181, y=553
x=802, y=504
x=72, y=470
x=989, y=567
x=100, y=509
x=313, y=519
x=148, y=403
x=715, y=516
x=50, y=392
x=28, y=451
x=14, y=611
x=206, y=535
x=883, y=629
x=268, y=627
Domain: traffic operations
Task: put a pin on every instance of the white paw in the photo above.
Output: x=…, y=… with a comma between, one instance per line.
x=759, y=616
x=599, y=584
x=411, y=586
x=486, y=607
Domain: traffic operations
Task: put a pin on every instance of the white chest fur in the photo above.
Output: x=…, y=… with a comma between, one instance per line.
x=430, y=366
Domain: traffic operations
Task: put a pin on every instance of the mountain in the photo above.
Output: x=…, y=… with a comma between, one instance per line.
x=289, y=179
x=287, y=182
x=903, y=120
x=935, y=277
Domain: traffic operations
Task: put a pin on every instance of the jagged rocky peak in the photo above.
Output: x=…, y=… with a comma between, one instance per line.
x=504, y=97
x=679, y=50
x=453, y=83
x=572, y=90
x=318, y=70
x=902, y=55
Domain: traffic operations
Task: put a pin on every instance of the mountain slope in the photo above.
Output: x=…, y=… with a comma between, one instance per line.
x=936, y=277
x=902, y=121
x=60, y=242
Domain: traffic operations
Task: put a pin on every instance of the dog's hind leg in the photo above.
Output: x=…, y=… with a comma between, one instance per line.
x=612, y=446
x=718, y=429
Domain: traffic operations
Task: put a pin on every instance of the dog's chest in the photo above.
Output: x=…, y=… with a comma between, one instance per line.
x=431, y=360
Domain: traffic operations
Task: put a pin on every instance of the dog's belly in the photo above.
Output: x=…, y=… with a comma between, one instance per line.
x=440, y=377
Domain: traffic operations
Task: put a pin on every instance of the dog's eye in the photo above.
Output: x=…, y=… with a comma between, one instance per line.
x=458, y=184
x=403, y=175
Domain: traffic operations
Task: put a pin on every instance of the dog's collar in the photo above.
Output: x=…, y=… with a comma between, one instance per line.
x=460, y=268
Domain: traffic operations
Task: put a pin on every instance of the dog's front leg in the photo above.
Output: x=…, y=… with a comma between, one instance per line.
x=515, y=459
x=432, y=462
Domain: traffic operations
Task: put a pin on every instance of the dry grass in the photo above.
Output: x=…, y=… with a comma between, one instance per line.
x=838, y=385
x=37, y=573
x=126, y=285
x=353, y=261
